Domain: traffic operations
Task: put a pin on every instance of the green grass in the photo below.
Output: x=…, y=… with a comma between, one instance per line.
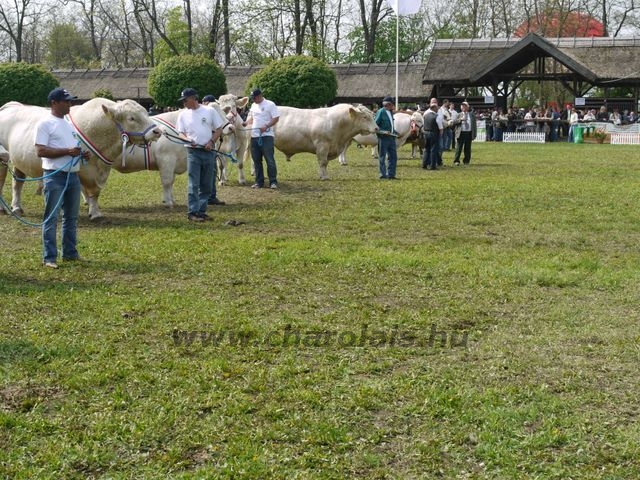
x=532, y=252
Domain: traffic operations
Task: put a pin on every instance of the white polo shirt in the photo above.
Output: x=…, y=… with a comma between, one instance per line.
x=199, y=124
x=262, y=114
x=56, y=132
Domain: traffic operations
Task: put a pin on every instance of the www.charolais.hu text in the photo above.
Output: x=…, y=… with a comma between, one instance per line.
x=290, y=336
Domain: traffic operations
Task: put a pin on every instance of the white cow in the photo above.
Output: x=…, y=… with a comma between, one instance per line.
x=404, y=123
x=168, y=155
x=101, y=124
x=323, y=131
x=235, y=146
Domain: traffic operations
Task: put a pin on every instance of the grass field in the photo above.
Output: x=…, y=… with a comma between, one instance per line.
x=308, y=341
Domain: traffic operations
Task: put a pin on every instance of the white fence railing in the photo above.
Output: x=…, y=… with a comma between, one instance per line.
x=523, y=137
x=625, y=138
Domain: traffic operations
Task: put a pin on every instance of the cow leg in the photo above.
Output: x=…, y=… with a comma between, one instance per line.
x=16, y=200
x=39, y=187
x=241, y=179
x=241, y=153
x=94, y=209
x=323, y=161
x=3, y=177
x=167, y=178
x=222, y=169
x=342, y=158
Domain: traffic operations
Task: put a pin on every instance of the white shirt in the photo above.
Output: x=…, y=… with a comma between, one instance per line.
x=56, y=132
x=262, y=113
x=199, y=124
x=574, y=118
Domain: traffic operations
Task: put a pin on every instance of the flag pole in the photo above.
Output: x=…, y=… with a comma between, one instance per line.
x=397, y=49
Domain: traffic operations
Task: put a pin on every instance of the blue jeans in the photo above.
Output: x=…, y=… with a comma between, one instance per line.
x=56, y=197
x=387, y=153
x=200, y=164
x=447, y=139
x=264, y=147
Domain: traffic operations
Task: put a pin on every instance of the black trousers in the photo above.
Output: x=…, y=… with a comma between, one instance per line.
x=464, y=144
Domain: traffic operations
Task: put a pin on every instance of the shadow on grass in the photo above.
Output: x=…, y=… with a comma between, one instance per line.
x=23, y=284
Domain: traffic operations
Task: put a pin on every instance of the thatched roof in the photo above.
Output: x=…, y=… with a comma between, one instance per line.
x=357, y=83
x=477, y=62
x=370, y=83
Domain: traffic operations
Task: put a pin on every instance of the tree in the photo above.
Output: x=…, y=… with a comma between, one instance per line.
x=170, y=77
x=68, y=48
x=177, y=36
x=103, y=93
x=25, y=83
x=16, y=19
x=297, y=81
x=370, y=20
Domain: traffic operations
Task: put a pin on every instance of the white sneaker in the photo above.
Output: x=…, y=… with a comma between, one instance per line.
x=53, y=265
x=273, y=186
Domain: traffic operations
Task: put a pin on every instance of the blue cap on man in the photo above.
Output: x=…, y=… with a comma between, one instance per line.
x=256, y=92
x=186, y=93
x=60, y=94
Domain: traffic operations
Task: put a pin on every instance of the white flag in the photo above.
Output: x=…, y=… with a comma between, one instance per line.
x=405, y=7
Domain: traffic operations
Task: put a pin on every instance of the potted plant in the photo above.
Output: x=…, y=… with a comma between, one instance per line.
x=600, y=134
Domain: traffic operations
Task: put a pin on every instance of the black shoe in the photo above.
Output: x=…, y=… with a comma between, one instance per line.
x=256, y=185
x=205, y=217
x=195, y=218
x=393, y=178
x=215, y=201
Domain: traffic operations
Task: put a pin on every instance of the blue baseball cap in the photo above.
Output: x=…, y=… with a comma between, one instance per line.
x=60, y=94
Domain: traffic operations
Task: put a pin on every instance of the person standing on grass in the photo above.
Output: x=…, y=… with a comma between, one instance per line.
x=58, y=147
x=432, y=130
x=200, y=126
x=465, y=134
x=387, y=153
x=263, y=116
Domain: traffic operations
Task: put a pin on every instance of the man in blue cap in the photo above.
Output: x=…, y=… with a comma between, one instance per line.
x=201, y=127
x=56, y=143
x=387, y=154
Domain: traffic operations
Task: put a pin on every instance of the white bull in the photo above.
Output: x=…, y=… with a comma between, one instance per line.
x=236, y=145
x=404, y=123
x=100, y=124
x=168, y=155
x=323, y=131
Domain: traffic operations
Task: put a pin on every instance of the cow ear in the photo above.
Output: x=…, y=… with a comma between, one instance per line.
x=353, y=111
x=242, y=102
x=108, y=112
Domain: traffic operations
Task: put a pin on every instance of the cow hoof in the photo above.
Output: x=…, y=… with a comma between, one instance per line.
x=95, y=218
x=17, y=211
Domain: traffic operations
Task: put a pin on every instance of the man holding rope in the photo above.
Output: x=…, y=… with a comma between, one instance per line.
x=201, y=127
x=263, y=115
x=60, y=151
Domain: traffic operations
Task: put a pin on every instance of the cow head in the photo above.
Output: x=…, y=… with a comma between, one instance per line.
x=132, y=120
x=231, y=103
x=363, y=118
